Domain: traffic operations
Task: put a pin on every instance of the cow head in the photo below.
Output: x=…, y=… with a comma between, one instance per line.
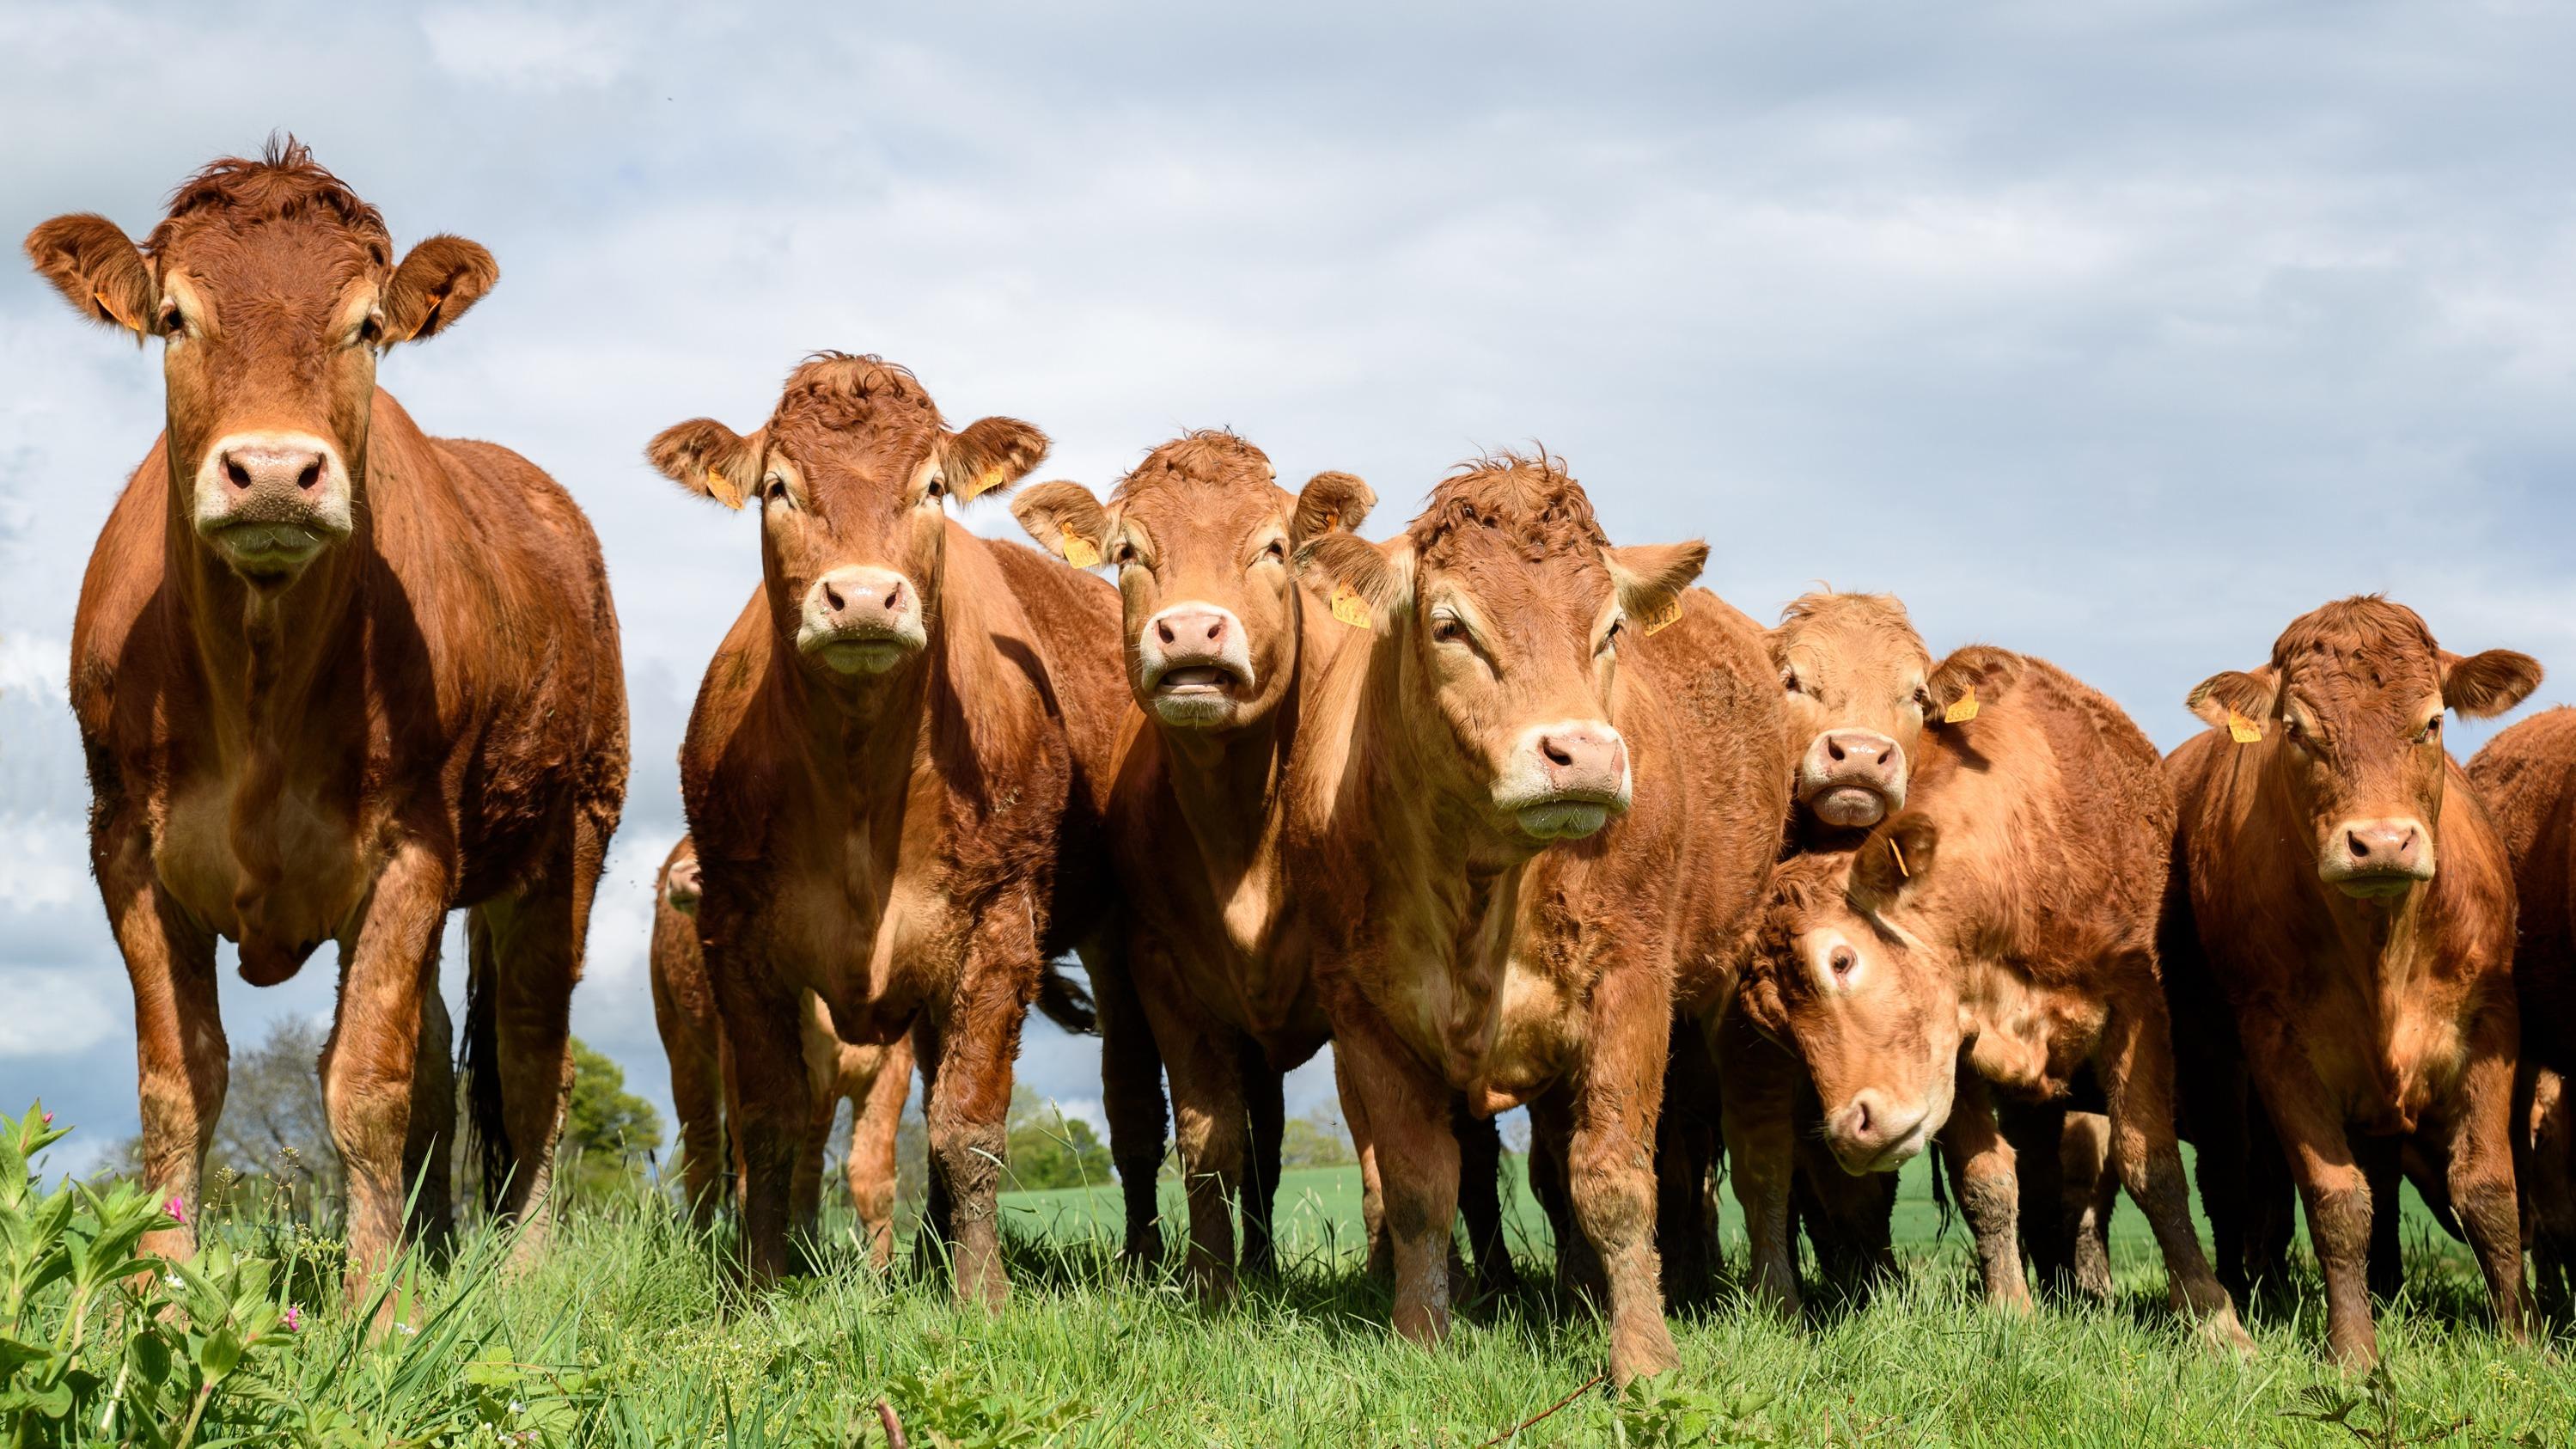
x=273, y=289
x=1500, y=614
x=1871, y=1008
x=681, y=882
x=1204, y=541
x=851, y=475
x=2347, y=718
x=1860, y=689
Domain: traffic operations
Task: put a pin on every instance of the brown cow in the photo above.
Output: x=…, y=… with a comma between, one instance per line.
x=1478, y=924
x=2368, y=989
x=2549, y=1193
x=875, y=1080
x=893, y=775
x=1998, y=932
x=336, y=677
x=1219, y=641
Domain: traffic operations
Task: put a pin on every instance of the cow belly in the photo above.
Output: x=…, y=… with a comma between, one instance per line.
x=319, y=881
x=1499, y=1045
x=884, y=963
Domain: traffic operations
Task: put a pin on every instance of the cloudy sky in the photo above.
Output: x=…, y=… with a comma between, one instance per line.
x=2118, y=333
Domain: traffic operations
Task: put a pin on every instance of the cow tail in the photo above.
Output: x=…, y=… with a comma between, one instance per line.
x=487, y=1131
x=1949, y=1210
x=1066, y=1004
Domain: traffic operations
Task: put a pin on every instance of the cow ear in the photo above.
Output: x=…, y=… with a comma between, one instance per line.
x=2479, y=685
x=1650, y=578
x=1066, y=521
x=1368, y=585
x=707, y=458
x=1968, y=680
x=1330, y=501
x=2246, y=694
x=1893, y=860
x=437, y=281
x=989, y=455
x=95, y=265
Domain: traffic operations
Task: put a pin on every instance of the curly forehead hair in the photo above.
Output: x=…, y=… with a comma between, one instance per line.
x=2363, y=627
x=284, y=184
x=846, y=390
x=1800, y=887
x=1194, y=459
x=1529, y=499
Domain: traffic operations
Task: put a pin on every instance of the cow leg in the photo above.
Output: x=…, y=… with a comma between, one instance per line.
x=1610, y=1162
x=805, y=1189
x=1988, y=1190
x=536, y=943
x=1480, y=1199
x=970, y=1110
x=429, y=1150
x=2385, y=1274
x=2272, y=1194
x=2331, y=1184
x=180, y=1052
x=1578, y=1267
x=1417, y=1160
x=1757, y=1116
x=1131, y=1094
x=1205, y=1063
x=2037, y=1132
x=768, y=1099
x=876, y=1122
x=930, y=1246
x=693, y=1046
x=2093, y=1180
x=1380, y=1259
x=2135, y=1064
x=1684, y=1149
x=1268, y=1111
x=388, y=965
x=2481, y=1161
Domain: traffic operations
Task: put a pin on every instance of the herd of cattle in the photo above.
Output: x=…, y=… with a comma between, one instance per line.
x=1509, y=815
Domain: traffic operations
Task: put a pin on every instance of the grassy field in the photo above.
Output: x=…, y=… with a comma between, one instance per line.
x=624, y=1330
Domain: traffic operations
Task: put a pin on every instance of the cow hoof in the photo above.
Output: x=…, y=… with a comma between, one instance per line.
x=1641, y=1355
x=2226, y=1332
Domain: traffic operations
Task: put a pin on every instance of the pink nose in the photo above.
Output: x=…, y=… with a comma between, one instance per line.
x=1863, y=749
x=682, y=884
x=853, y=601
x=1191, y=632
x=1584, y=757
x=2384, y=846
x=263, y=468
x=1869, y=1125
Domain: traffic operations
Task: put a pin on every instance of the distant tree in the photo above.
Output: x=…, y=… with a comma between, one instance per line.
x=607, y=1129
x=273, y=1141
x=1315, y=1140
x=1047, y=1149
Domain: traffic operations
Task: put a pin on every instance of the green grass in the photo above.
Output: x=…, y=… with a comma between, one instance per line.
x=625, y=1330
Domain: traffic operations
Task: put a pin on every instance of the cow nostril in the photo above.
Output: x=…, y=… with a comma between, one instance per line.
x=831, y=597
x=1833, y=747
x=1556, y=754
x=894, y=598
x=1887, y=756
x=1163, y=631
x=311, y=475
x=2360, y=848
x=235, y=473
x=1215, y=629
x=1861, y=1122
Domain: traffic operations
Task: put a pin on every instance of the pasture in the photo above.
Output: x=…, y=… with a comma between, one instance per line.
x=627, y=1330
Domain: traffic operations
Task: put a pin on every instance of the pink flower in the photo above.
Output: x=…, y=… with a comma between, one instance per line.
x=49, y=1119
x=294, y=1318
x=176, y=1209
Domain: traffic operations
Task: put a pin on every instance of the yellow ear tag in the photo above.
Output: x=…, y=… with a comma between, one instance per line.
x=984, y=483
x=1898, y=851
x=1665, y=617
x=725, y=493
x=1079, y=551
x=1332, y=520
x=2242, y=730
x=1961, y=710
x=1350, y=608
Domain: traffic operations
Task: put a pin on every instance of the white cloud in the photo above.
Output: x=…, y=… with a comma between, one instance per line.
x=54, y=1012
x=523, y=48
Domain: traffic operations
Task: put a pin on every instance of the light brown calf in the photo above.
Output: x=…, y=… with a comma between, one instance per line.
x=2369, y=989
x=893, y=776
x=1479, y=924
x=875, y=1080
x=335, y=678
x=1998, y=933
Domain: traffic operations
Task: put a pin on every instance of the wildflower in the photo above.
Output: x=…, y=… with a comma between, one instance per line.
x=49, y=1119
x=177, y=1208
x=405, y=1329
x=517, y=1408
x=176, y=1282
x=294, y=1318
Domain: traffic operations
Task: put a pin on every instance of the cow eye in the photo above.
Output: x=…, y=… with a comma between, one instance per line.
x=1843, y=960
x=371, y=329
x=1789, y=681
x=773, y=488
x=1610, y=636
x=1923, y=701
x=2431, y=731
x=938, y=488
x=1447, y=629
x=1123, y=555
x=1277, y=550
x=172, y=323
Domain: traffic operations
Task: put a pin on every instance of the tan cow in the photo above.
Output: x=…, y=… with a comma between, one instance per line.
x=874, y=1080
x=1998, y=933
x=2526, y=776
x=1479, y=923
x=2369, y=989
x=335, y=678
x=893, y=776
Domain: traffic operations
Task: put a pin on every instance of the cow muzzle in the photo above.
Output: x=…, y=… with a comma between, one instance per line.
x=270, y=502
x=683, y=886
x=2377, y=859
x=861, y=621
x=1873, y=1132
x=1193, y=663
x=1852, y=779
x=1564, y=781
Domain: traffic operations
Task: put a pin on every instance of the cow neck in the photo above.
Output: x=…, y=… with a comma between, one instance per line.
x=270, y=659
x=1227, y=783
x=867, y=732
